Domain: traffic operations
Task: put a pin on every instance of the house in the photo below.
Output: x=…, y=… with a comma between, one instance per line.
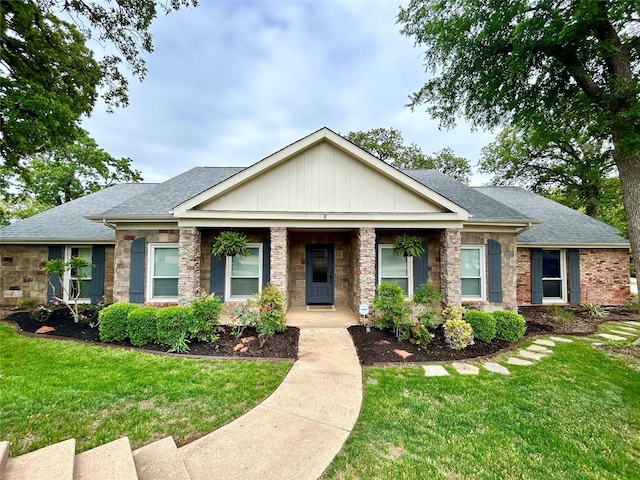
x=321, y=216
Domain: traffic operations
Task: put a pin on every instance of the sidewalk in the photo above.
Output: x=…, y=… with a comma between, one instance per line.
x=298, y=430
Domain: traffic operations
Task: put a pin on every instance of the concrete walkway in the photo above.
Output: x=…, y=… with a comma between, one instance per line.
x=298, y=430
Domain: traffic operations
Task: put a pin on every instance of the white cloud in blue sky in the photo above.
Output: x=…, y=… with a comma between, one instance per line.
x=231, y=82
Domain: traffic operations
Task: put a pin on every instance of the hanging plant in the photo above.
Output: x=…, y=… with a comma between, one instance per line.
x=230, y=244
x=408, y=246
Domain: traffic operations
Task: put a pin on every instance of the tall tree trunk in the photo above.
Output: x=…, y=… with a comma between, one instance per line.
x=629, y=168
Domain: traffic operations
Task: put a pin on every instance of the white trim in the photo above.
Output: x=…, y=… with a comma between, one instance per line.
x=409, y=260
x=562, y=278
x=227, y=276
x=149, y=271
x=67, y=274
x=483, y=273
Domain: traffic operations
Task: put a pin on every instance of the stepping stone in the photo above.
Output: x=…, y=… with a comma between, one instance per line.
x=611, y=337
x=546, y=343
x=496, y=368
x=633, y=323
x=561, y=339
x=530, y=355
x=636, y=342
x=627, y=329
x=620, y=332
x=465, y=368
x=372, y=381
x=518, y=361
x=539, y=349
x=435, y=371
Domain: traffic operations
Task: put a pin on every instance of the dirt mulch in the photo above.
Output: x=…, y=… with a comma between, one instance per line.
x=581, y=323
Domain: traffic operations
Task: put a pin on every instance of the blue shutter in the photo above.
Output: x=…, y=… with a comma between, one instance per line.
x=495, y=271
x=574, y=276
x=216, y=282
x=55, y=252
x=536, y=275
x=420, y=268
x=266, y=261
x=97, y=273
x=136, y=276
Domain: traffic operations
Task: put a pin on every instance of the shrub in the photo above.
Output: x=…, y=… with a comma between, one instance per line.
x=458, y=333
x=560, y=315
x=172, y=327
x=245, y=316
x=452, y=313
x=482, y=323
x=141, y=326
x=430, y=320
x=205, y=313
x=390, y=306
x=422, y=335
x=113, y=321
x=28, y=304
x=594, y=310
x=426, y=294
x=270, y=318
x=510, y=326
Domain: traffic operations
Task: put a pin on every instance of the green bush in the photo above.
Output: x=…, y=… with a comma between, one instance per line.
x=458, y=333
x=270, y=318
x=426, y=294
x=422, y=335
x=452, y=313
x=482, y=323
x=430, y=319
x=141, y=326
x=205, y=313
x=113, y=321
x=390, y=306
x=510, y=326
x=172, y=327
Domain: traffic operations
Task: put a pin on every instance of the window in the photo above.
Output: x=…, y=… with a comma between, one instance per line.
x=244, y=274
x=72, y=276
x=395, y=269
x=163, y=271
x=472, y=272
x=553, y=275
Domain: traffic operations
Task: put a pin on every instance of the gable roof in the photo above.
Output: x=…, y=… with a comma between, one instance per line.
x=562, y=225
x=67, y=223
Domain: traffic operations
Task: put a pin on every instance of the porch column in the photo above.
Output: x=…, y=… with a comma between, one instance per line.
x=450, y=282
x=366, y=266
x=280, y=260
x=189, y=264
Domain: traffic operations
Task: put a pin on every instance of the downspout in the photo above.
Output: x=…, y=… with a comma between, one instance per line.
x=107, y=224
x=524, y=229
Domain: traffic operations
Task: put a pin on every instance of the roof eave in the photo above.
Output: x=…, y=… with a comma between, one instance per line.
x=574, y=245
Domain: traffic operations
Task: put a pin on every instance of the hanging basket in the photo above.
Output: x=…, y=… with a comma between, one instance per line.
x=230, y=244
x=408, y=246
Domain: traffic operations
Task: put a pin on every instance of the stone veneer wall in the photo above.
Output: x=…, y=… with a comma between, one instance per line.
x=189, y=264
x=509, y=265
x=279, y=262
x=604, y=276
x=450, y=266
x=366, y=266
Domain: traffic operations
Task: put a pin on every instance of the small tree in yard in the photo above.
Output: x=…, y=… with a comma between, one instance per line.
x=69, y=294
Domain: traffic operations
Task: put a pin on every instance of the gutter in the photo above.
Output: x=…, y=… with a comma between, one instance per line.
x=524, y=229
x=107, y=224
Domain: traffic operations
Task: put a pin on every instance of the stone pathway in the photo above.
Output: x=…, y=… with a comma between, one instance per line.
x=537, y=350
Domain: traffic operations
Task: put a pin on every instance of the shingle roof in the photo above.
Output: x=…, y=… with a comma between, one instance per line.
x=160, y=199
x=562, y=225
x=66, y=222
x=478, y=205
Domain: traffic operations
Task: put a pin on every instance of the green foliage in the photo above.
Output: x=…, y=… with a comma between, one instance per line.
x=205, y=314
x=113, y=321
x=141, y=326
x=271, y=312
x=389, y=306
x=427, y=294
x=173, y=327
x=482, y=323
x=594, y=310
x=430, y=319
x=69, y=296
x=458, y=333
x=408, y=246
x=421, y=334
x=230, y=243
x=245, y=316
x=510, y=326
x=452, y=313
x=560, y=315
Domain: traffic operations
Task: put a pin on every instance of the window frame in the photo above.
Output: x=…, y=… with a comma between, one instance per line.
x=409, y=260
x=152, y=247
x=228, y=277
x=482, y=277
x=563, y=277
x=67, y=278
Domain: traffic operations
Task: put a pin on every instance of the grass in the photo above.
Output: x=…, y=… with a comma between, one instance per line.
x=574, y=415
x=54, y=390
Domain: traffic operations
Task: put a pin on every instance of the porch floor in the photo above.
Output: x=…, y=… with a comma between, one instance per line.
x=302, y=318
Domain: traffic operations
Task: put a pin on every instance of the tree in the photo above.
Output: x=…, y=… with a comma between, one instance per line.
x=49, y=78
x=388, y=145
x=537, y=64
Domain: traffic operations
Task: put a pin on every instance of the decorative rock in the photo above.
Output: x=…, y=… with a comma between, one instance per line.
x=530, y=355
x=247, y=340
x=238, y=347
x=546, y=343
x=383, y=342
x=518, y=361
x=539, y=348
x=244, y=349
x=620, y=332
x=496, y=368
x=413, y=341
x=611, y=337
x=561, y=339
x=402, y=354
x=465, y=368
x=45, y=330
x=435, y=371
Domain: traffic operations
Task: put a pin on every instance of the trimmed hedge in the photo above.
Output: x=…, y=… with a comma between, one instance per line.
x=172, y=325
x=113, y=321
x=141, y=326
x=510, y=326
x=458, y=333
x=205, y=313
x=483, y=324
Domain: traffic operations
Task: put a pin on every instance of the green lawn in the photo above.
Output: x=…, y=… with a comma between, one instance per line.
x=54, y=390
x=573, y=415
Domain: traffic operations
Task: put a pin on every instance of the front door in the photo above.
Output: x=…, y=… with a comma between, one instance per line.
x=319, y=274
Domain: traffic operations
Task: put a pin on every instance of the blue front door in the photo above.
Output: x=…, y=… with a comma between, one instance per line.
x=319, y=274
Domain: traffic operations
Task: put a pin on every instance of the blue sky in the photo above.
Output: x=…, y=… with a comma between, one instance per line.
x=231, y=82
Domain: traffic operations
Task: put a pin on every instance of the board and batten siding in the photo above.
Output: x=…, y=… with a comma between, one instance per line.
x=322, y=179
